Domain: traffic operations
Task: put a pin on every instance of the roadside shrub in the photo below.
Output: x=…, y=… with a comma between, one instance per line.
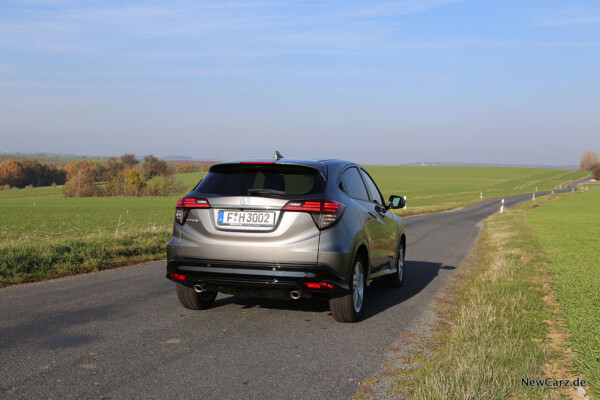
x=595, y=171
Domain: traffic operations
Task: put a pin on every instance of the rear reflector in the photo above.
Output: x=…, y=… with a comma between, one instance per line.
x=324, y=213
x=178, y=277
x=184, y=205
x=318, y=285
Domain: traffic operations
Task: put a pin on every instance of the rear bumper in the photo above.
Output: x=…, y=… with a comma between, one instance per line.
x=256, y=276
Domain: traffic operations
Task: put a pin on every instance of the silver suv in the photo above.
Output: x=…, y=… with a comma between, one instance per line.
x=286, y=228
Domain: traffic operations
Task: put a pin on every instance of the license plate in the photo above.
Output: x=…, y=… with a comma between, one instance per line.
x=246, y=218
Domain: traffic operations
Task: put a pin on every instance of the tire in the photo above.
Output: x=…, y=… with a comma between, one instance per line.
x=396, y=279
x=192, y=300
x=346, y=307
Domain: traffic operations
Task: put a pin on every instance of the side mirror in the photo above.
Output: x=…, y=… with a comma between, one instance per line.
x=396, y=202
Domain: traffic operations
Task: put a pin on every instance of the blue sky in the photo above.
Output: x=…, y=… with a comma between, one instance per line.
x=376, y=82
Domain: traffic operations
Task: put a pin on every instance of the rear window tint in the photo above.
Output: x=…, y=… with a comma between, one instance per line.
x=271, y=180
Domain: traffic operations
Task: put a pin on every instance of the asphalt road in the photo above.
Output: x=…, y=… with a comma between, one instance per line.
x=122, y=334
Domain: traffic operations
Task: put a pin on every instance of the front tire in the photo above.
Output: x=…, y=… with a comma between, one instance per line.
x=397, y=278
x=192, y=300
x=348, y=306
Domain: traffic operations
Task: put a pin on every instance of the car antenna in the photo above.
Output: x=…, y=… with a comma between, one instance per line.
x=277, y=156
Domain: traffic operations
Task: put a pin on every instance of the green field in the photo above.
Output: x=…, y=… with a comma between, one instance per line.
x=431, y=189
x=40, y=220
x=568, y=229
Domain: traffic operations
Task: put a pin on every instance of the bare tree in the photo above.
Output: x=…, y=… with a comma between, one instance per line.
x=129, y=160
x=153, y=166
x=588, y=159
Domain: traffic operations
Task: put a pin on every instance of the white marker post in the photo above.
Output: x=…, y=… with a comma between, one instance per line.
x=405, y=202
x=533, y=198
x=480, y=195
x=536, y=188
x=502, y=206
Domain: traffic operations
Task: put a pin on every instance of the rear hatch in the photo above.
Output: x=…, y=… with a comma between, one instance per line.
x=237, y=213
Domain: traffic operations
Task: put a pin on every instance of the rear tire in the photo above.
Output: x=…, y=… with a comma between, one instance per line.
x=346, y=307
x=192, y=300
x=397, y=278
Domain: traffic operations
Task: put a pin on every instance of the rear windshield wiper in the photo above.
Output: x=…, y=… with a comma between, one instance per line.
x=266, y=192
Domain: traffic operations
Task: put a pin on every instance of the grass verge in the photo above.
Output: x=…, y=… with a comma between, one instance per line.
x=34, y=261
x=568, y=229
x=494, y=324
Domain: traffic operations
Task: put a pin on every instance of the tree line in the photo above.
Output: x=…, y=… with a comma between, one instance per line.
x=29, y=173
x=123, y=176
x=115, y=176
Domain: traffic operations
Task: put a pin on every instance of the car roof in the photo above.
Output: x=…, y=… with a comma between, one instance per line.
x=325, y=166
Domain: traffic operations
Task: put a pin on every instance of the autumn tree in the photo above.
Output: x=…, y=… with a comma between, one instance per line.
x=111, y=176
x=153, y=167
x=588, y=159
x=12, y=173
x=81, y=178
x=135, y=179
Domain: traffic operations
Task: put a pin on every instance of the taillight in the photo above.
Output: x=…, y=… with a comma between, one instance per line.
x=318, y=285
x=324, y=213
x=184, y=205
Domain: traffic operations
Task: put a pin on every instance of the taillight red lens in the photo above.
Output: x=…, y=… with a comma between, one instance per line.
x=178, y=277
x=192, y=202
x=184, y=205
x=324, y=213
x=318, y=285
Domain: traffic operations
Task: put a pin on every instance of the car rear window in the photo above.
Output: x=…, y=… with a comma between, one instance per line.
x=264, y=180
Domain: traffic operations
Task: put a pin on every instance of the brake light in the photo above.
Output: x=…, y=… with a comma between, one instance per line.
x=324, y=213
x=318, y=285
x=184, y=205
x=178, y=277
x=257, y=162
x=193, y=202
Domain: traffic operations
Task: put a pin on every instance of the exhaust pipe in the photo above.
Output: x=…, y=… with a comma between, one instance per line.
x=198, y=288
x=295, y=294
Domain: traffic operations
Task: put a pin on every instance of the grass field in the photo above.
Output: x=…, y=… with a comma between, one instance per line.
x=432, y=189
x=568, y=229
x=501, y=321
x=40, y=220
